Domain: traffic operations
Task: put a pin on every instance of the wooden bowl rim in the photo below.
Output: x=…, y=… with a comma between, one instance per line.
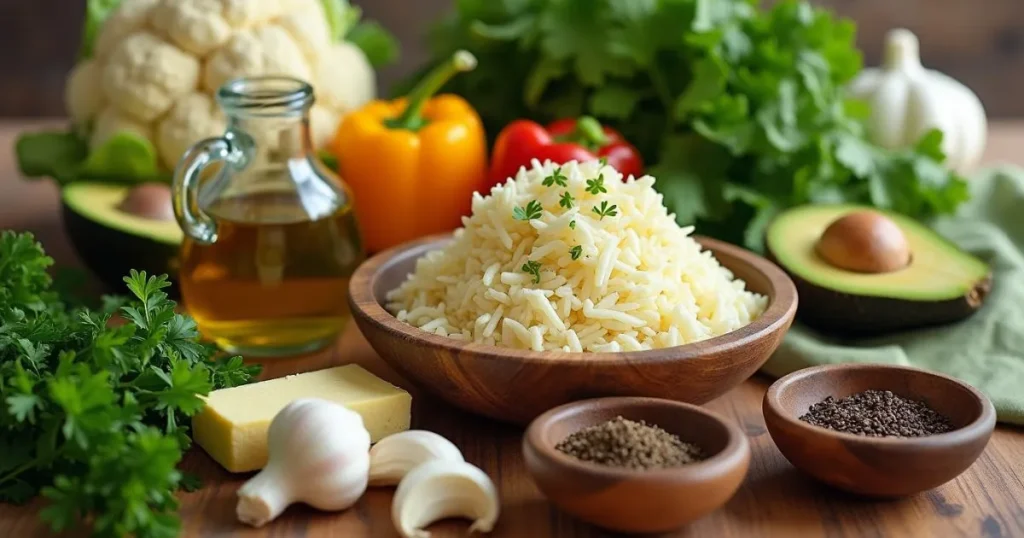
x=781, y=308
x=712, y=468
x=982, y=425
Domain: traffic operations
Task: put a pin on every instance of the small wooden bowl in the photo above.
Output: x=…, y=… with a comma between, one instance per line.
x=878, y=466
x=517, y=385
x=626, y=500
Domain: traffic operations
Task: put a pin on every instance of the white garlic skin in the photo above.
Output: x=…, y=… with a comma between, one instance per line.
x=318, y=453
x=397, y=454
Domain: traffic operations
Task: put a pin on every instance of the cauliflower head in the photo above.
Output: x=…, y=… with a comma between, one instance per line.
x=156, y=65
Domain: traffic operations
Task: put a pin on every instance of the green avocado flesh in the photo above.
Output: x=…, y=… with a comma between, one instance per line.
x=98, y=202
x=112, y=242
x=937, y=271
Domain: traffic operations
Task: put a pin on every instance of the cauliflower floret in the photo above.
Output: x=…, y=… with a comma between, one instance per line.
x=323, y=122
x=266, y=50
x=196, y=26
x=83, y=93
x=307, y=24
x=145, y=75
x=344, y=78
x=111, y=121
x=193, y=117
x=129, y=17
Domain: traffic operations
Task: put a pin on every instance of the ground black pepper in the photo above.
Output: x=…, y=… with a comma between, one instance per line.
x=877, y=413
x=626, y=443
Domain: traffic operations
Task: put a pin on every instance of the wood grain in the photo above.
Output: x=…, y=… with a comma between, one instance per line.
x=493, y=381
x=775, y=499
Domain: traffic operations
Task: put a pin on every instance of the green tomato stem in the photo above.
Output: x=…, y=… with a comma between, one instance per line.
x=412, y=118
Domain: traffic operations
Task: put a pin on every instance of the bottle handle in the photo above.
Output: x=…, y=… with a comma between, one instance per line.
x=185, y=188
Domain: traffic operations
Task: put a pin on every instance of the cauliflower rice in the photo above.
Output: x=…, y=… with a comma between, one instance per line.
x=639, y=281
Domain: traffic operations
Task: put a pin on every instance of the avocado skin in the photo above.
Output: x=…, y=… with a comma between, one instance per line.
x=857, y=315
x=111, y=254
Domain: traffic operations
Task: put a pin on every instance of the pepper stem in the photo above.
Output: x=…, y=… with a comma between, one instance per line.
x=412, y=117
x=589, y=131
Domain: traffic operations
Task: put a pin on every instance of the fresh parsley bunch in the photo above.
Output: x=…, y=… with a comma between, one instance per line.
x=94, y=415
x=740, y=110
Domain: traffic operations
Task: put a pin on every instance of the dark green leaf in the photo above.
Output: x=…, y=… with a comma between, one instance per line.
x=51, y=154
x=613, y=101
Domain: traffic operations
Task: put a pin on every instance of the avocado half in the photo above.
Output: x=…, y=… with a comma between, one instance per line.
x=939, y=284
x=111, y=240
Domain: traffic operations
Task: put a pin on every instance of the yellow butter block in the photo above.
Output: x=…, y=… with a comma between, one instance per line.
x=232, y=428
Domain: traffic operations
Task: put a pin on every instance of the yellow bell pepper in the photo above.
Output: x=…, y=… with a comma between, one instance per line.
x=413, y=164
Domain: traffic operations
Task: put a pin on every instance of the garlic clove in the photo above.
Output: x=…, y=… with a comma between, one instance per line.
x=440, y=489
x=318, y=453
x=395, y=455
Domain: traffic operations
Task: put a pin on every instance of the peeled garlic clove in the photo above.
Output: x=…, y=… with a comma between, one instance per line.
x=440, y=489
x=395, y=455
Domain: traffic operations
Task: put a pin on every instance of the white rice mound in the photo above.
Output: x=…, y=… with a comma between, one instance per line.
x=641, y=282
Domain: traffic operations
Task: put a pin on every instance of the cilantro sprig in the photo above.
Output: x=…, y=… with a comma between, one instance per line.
x=532, y=211
x=575, y=252
x=532, y=267
x=605, y=210
x=95, y=415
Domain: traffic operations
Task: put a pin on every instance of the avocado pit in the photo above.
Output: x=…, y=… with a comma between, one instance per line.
x=149, y=201
x=864, y=242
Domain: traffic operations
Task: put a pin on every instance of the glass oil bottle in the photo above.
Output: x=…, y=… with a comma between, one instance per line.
x=270, y=235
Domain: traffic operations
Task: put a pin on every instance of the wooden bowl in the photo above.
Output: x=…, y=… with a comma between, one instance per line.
x=517, y=385
x=878, y=466
x=626, y=500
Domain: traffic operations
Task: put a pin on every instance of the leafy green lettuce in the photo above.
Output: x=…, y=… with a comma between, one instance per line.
x=739, y=111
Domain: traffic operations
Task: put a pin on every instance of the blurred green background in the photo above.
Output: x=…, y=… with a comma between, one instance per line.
x=980, y=42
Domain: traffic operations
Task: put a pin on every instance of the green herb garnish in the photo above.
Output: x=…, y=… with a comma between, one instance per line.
x=94, y=416
x=596, y=186
x=556, y=178
x=532, y=211
x=566, y=200
x=533, y=268
x=603, y=161
x=575, y=252
x=572, y=224
x=604, y=210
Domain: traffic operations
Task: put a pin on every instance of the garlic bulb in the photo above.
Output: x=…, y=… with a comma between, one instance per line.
x=907, y=100
x=440, y=489
x=395, y=455
x=318, y=453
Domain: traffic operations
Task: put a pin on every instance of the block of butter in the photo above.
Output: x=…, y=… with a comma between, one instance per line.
x=232, y=428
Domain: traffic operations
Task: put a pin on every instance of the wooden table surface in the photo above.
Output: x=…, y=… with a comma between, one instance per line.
x=775, y=499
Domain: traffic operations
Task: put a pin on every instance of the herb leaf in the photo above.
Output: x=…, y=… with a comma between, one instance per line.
x=575, y=252
x=556, y=178
x=596, y=186
x=605, y=210
x=532, y=211
x=95, y=416
x=566, y=200
x=533, y=268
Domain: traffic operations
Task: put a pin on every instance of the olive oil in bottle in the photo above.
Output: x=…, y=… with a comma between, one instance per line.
x=274, y=282
x=270, y=235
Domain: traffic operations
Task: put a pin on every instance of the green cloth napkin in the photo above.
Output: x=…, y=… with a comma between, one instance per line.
x=985, y=350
